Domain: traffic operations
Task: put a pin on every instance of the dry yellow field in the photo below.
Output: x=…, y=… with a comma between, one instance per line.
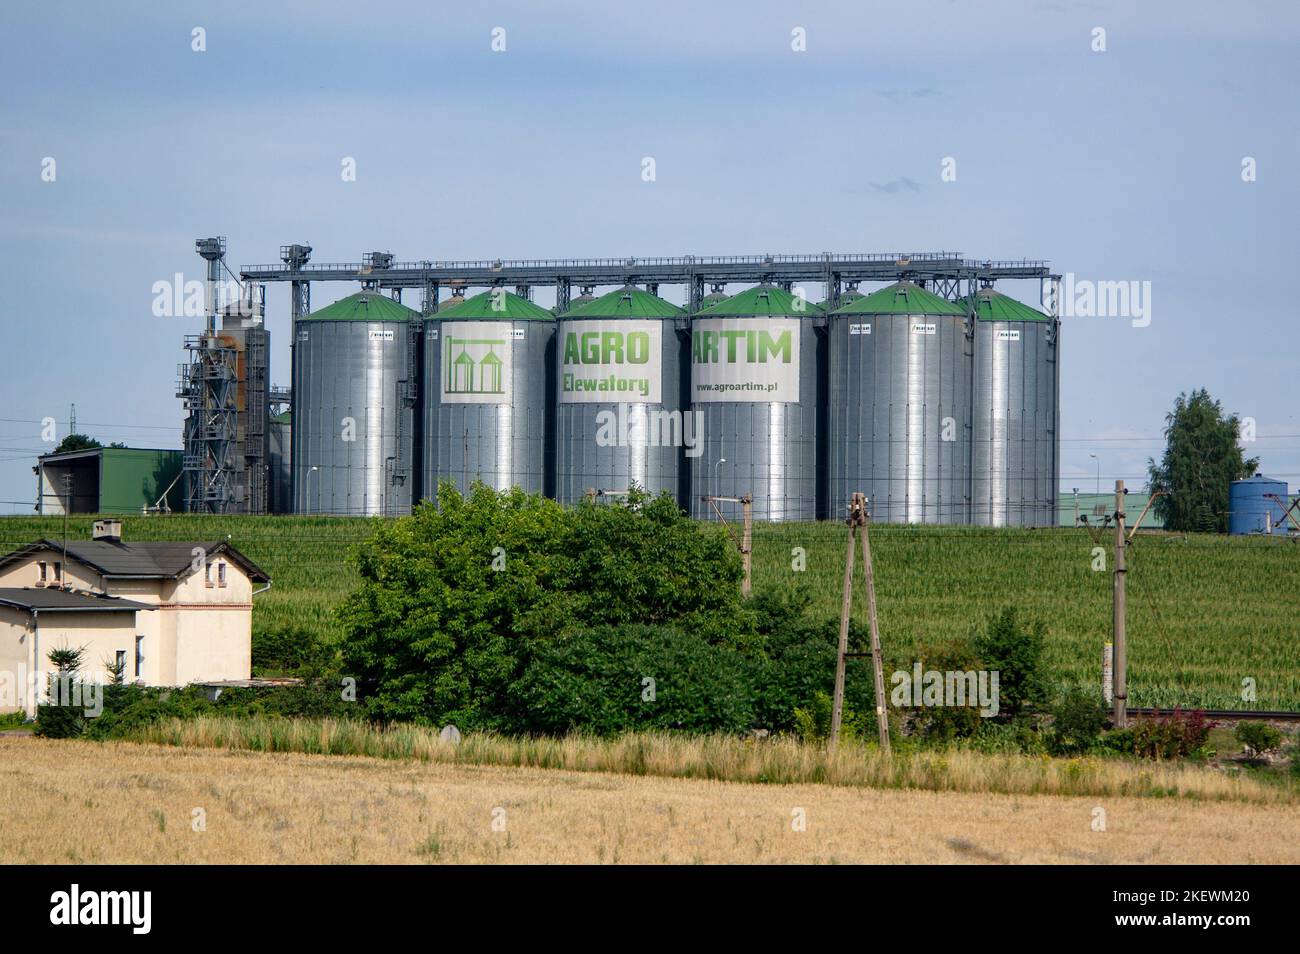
x=78, y=802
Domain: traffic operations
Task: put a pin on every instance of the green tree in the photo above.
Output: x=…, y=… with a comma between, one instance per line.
x=76, y=442
x=1202, y=457
x=457, y=598
x=1015, y=651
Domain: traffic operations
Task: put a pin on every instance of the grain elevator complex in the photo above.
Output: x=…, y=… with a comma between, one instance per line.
x=914, y=381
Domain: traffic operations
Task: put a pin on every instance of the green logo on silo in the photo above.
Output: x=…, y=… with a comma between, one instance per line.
x=746, y=345
x=472, y=365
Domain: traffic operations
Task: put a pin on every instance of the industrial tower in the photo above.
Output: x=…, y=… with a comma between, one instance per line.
x=207, y=384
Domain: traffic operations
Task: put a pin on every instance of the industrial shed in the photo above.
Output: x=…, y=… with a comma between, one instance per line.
x=113, y=480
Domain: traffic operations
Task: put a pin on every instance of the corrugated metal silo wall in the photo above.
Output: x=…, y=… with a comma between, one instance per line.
x=500, y=438
x=351, y=371
x=770, y=447
x=899, y=428
x=1013, y=431
x=279, y=440
x=605, y=444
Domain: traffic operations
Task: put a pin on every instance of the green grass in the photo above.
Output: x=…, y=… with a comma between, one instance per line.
x=1205, y=612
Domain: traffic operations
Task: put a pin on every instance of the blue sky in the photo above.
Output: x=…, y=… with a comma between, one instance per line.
x=1123, y=165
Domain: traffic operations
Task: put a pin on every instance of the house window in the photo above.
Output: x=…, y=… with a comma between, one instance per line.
x=44, y=569
x=58, y=572
x=139, y=657
x=221, y=574
x=207, y=574
x=120, y=669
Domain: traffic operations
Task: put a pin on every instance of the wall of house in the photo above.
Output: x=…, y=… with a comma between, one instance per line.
x=210, y=626
x=100, y=635
x=14, y=647
x=29, y=574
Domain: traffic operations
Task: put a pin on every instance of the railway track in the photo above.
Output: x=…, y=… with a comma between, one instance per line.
x=1224, y=715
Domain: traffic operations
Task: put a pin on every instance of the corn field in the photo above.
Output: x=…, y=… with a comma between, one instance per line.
x=1208, y=616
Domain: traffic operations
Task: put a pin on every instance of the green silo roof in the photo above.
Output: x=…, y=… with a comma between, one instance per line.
x=364, y=306
x=513, y=308
x=995, y=306
x=761, y=300
x=626, y=302
x=900, y=298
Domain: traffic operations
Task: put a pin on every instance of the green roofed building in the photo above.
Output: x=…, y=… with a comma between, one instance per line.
x=117, y=480
x=900, y=298
x=755, y=372
x=628, y=302
x=762, y=300
x=495, y=304
x=992, y=305
x=364, y=306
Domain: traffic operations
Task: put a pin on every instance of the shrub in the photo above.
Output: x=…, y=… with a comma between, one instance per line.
x=1177, y=735
x=457, y=598
x=1259, y=738
x=596, y=680
x=1015, y=651
x=290, y=649
x=1077, y=720
x=59, y=718
x=793, y=659
x=943, y=722
x=812, y=723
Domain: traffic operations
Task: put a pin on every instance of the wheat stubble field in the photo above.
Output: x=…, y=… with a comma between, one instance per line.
x=76, y=802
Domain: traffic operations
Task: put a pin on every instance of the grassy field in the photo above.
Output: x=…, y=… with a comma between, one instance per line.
x=88, y=803
x=782, y=760
x=1205, y=612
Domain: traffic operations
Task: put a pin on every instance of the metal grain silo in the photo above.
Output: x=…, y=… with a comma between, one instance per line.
x=899, y=406
x=1014, y=447
x=619, y=387
x=1251, y=509
x=754, y=374
x=486, y=396
x=353, y=383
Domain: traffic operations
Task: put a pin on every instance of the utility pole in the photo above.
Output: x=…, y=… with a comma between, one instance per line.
x=857, y=522
x=746, y=542
x=1121, y=643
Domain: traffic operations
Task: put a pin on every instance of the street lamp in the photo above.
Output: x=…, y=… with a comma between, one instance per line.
x=1098, y=460
x=719, y=463
x=306, y=485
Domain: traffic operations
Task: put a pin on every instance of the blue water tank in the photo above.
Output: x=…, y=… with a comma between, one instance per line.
x=1249, y=507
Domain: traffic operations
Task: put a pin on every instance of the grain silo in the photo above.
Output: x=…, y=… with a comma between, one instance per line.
x=899, y=406
x=754, y=376
x=486, y=396
x=353, y=386
x=1014, y=447
x=619, y=398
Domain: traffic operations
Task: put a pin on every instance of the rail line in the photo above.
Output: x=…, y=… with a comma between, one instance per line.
x=1224, y=715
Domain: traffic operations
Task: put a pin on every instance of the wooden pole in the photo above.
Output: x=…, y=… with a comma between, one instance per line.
x=747, y=542
x=877, y=663
x=837, y=707
x=1121, y=642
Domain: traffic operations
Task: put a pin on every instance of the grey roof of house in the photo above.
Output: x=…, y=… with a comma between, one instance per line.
x=49, y=600
x=147, y=559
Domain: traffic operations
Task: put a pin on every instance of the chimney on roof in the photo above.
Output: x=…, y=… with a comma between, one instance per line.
x=109, y=530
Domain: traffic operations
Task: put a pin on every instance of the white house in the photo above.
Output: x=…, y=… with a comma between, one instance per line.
x=173, y=613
